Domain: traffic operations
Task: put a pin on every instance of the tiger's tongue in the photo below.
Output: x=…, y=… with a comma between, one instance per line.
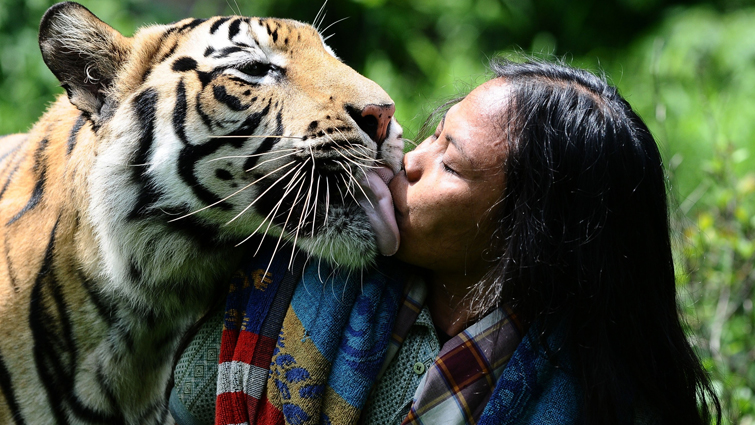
x=378, y=205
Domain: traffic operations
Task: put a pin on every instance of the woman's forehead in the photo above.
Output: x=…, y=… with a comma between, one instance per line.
x=492, y=97
x=474, y=124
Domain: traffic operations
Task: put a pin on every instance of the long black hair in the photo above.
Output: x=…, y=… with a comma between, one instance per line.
x=583, y=246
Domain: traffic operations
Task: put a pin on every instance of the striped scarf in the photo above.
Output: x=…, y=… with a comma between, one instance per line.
x=303, y=346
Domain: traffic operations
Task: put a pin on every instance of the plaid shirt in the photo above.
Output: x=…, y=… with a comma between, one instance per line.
x=458, y=385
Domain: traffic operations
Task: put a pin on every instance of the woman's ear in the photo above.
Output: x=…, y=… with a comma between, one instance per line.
x=83, y=52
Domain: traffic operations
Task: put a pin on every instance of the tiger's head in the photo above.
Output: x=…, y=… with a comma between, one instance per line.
x=211, y=131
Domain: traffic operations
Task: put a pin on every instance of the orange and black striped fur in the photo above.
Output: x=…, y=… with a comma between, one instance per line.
x=121, y=209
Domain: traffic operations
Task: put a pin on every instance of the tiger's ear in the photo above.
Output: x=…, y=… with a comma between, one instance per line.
x=83, y=52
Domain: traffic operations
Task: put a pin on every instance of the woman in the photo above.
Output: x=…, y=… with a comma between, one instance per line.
x=541, y=197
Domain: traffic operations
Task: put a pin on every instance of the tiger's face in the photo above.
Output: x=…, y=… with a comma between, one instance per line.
x=225, y=128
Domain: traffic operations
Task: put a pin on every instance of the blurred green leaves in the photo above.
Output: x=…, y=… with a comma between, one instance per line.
x=717, y=278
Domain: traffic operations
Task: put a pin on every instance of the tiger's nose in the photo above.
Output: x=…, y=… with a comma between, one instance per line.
x=374, y=120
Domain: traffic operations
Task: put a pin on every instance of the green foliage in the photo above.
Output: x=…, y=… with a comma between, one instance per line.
x=686, y=66
x=717, y=282
x=692, y=79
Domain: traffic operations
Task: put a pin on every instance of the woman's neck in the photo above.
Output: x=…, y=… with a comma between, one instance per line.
x=448, y=301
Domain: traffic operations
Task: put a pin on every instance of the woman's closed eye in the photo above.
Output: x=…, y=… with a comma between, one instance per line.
x=449, y=169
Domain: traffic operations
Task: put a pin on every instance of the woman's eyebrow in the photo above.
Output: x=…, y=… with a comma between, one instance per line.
x=452, y=140
x=443, y=121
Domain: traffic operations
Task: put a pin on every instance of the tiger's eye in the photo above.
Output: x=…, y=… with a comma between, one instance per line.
x=255, y=69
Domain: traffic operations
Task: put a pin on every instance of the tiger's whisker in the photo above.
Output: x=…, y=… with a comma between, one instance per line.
x=306, y=205
x=358, y=155
x=341, y=153
x=267, y=220
x=336, y=22
x=327, y=199
x=285, y=224
x=343, y=292
x=232, y=194
x=266, y=161
x=349, y=184
x=314, y=206
x=319, y=269
x=340, y=191
x=254, y=155
x=258, y=197
x=315, y=23
x=257, y=137
x=362, y=190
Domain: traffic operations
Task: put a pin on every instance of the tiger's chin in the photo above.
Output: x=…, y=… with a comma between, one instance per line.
x=345, y=240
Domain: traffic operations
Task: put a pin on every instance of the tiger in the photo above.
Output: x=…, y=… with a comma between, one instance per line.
x=134, y=197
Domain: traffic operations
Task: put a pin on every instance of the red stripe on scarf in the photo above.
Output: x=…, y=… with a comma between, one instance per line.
x=228, y=345
x=269, y=414
x=230, y=408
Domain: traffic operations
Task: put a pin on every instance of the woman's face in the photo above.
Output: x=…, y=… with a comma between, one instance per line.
x=445, y=196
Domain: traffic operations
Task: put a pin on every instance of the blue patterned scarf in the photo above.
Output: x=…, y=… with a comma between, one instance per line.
x=533, y=391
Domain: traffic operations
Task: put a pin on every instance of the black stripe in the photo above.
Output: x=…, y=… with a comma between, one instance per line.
x=208, y=51
x=191, y=25
x=10, y=397
x=10, y=178
x=42, y=325
x=228, y=50
x=104, y=308
x=191, y=154
x=204, y=235
x=109, y=394
x=233, y=29
x=168, y=54
x=11, y=273
x=266, y=144
x=145, y=108
x=75, y=132
x=205, y=118
x=268, y=202
x=218, y=23
x=184, y=63
x=134, y=272
x=232, y=102
x=179, y=113
x=205, y=78
x=39, y=187
x=55, y=350
x=124, y=336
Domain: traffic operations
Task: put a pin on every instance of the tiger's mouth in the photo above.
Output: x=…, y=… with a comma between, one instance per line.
x=329, y=191
x=314, y=191
x=318, y=182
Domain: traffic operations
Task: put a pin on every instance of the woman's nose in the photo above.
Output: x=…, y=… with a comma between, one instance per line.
x=412, y=165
